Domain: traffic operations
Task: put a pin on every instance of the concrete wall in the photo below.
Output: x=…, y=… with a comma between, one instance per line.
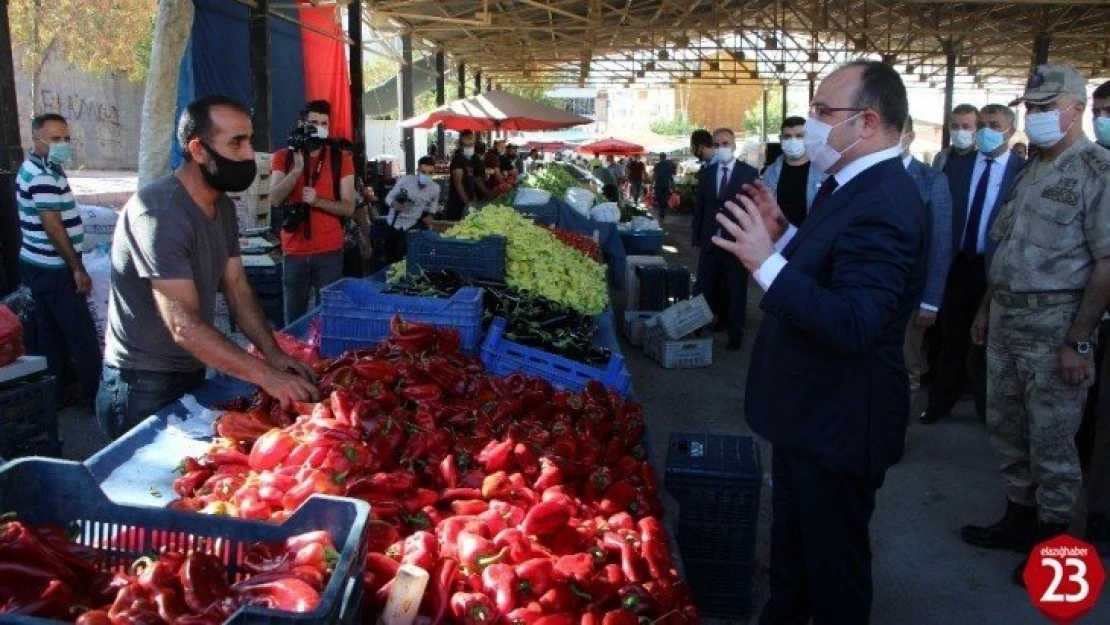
x=104, y=112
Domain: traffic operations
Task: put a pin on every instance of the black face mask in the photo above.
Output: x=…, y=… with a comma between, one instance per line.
x=231, y=176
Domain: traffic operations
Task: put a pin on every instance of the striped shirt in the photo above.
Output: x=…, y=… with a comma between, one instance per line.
x=41, y=186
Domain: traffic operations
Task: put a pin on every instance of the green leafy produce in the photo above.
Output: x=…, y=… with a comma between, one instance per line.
x=554, y=180
x=537, y=262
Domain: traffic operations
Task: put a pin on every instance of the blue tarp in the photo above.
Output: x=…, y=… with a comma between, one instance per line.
x=217, y=61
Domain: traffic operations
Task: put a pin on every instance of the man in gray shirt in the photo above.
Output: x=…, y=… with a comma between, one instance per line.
x=175, y=246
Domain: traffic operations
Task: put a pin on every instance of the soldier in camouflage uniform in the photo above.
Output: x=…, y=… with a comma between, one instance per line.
x=1049, y=281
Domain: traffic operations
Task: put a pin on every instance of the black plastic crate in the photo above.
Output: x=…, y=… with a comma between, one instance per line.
x=265, y=280
x=28, y=419
x=715, y=541
x=722, y=588
x=678, y=284
x=715, y=478
x=653, y=287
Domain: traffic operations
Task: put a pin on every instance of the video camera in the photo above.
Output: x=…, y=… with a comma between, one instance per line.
x=304, y=139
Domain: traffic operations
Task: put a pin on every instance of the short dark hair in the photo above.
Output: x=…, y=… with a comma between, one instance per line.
x=196, y=119
x=663, y=155
x=964, y=109
x=995, y=109
x=1102, y=92
x=40, y=120
x=793, y=122
x=426, y=160
x=701, y=138
x=881, y=89
x=323, y=107
x=466, y=133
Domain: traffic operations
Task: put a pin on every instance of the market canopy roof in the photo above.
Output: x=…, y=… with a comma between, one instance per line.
x=611, y=146
x=606, y=42
x=496, y=110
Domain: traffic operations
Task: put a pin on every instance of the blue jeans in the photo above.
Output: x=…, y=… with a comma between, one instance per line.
x=305, y=275
x=127, y=396
x=65, y=326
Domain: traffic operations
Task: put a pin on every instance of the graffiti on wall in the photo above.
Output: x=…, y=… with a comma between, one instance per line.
x=95, y=126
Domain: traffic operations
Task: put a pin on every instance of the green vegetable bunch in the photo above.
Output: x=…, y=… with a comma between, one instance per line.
x=537, y=262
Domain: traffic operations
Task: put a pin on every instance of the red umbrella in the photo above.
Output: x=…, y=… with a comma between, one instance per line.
x=496, y=110
x=612, y=146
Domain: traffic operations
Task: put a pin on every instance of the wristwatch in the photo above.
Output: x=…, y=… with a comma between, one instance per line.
x=1083, y=348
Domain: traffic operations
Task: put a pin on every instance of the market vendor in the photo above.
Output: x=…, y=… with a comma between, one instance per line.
x=175, y=247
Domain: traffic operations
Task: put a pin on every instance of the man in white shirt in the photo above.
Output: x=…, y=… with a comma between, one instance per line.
x=415, y=198
x=826, y=385
x=976, y=201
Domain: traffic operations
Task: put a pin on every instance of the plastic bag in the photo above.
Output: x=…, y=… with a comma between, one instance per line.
x=674, y=201
x=100, y=225
x=531, y=197
x=98, y=265
x=609, y=212
x=11, y=336
x=641, y=224
x=307, y=351
x=581, y=200
x=22, y=304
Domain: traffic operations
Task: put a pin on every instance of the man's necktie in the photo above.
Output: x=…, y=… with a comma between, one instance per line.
x=722, y=192
x=823, y=193
x=970, y=245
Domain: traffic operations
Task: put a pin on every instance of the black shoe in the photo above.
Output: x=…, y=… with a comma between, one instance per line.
x=931, y=416
x=1098, y=533
x=1016, y=531
x=1045, y=531
x=734, y=345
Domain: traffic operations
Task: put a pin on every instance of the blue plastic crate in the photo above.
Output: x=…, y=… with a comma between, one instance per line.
x=716, y=481
x=642, y=242
x=502, y=357
x=355, y=314
x=540, y=213
x=28, y=420
x=483, y=259
x=39, y=490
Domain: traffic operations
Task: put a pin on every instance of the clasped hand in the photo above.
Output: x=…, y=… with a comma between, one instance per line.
x=756, y=223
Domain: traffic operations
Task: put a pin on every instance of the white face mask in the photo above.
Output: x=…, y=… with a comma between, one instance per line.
x=794, y=148
x=963, y=139
x=468, y=152
x=817, y=145
x=1044, y=128
x=725, y=154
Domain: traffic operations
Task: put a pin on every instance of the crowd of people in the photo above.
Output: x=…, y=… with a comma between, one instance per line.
x=988, y=270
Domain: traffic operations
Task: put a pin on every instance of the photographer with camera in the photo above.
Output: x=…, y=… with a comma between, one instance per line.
x=313, y=181
x=412, y=202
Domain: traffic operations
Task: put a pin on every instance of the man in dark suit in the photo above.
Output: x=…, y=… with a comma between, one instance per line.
x=978, y=188
x=933, y=186
x=827, y=385
x=716, y=267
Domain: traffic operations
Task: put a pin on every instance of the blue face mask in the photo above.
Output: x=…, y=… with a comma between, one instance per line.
x=423, y=179
x=988, y=140
x=60, y=153
x=1102, y=130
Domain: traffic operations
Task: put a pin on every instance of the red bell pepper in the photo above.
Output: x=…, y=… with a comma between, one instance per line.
x=472, y=507
x=632, y=565
x=560, y=598
x=455, y=494
x=546, y=517
x=204, y=580
x=654, y=548
x=94, y=617
x=449, y=471
x=289, y=594
x=527, y=459
x=473, y=608
x=501, y=516
x=476, y=553
x=637, y=600
x=550, y=475
x=617, y=498
x=422, y=550
x=620, y=617
x=525, y=616
x=376, y=371
x=536, y=577
x=442, y=588
x=497, y=455
x=578, y=566
x=497, y=486
x=500, y=581
x=380, y=570
x=605, y=585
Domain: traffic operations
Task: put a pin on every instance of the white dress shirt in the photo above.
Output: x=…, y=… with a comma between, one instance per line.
x=422, y=200
x=771, y=267
x=994, y=187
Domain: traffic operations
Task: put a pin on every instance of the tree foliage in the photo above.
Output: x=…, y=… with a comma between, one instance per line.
x=99, y=36
x=680, y=124
x=753, y=119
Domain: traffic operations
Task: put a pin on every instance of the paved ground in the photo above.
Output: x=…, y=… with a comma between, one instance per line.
x=103, y=188
x=923, y=574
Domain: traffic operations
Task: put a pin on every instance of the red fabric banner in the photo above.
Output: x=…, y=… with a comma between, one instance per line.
x=326, y=74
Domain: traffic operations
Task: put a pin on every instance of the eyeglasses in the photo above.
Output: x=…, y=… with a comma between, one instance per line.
x=820, y=110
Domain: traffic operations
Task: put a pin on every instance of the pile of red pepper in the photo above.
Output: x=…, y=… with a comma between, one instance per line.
x=525, y=504
x=580, y=242
x=43, y=573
